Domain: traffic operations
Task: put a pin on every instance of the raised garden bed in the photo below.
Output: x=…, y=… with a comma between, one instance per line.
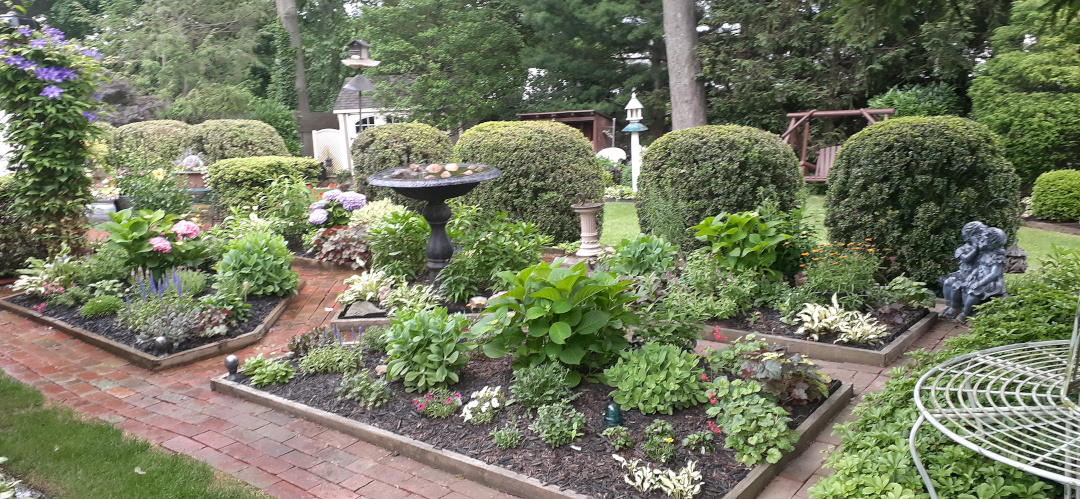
x=354, y=324
x=770, y=329
x=104, y=333
x=305, y=262
x=533, y=470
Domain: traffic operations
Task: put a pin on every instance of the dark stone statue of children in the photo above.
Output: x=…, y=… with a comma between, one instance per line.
x=982, y=272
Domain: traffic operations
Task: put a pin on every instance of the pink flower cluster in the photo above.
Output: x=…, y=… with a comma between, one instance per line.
x=51, y=288
x=160, y=244
x=186, y=229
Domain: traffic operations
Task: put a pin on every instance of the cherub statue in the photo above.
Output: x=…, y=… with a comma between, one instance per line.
x=966, y=255
x=985, y=280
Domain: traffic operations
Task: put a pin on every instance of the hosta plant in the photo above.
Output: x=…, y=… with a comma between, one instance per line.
x=260, y=263
x=556, y=314
x=644, y=254
x=744, y=241
x=849, y=326
x=426, y=350
x=684, y=484
x=756, y=428
x=656, y=378
x=372, y=286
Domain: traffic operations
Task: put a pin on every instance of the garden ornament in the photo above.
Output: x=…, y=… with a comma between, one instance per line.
x=231, y=363
x=613, y=415
x=981, y=275
x=590, y=235
x=161, y=343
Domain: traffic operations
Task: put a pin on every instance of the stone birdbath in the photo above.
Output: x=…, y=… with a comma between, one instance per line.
x=435, y=183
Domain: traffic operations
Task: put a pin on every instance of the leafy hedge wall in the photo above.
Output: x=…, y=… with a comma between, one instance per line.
x=910, y=184
x=691, y=174
x=1056, y=196
x=17, y=243
x=394, y=145
x=160, y=138
x=544, y=166
x=240, y=181
x=224, y=139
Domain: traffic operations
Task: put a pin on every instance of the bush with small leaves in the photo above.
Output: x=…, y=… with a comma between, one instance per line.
x=364, y=389
x=262, y=371
x=339, y=358
x=619, y=437
x=101, y=306
x=558, y=424
x=656, y=378
x=508, y=436
x=1056, y=196
x=542, y=385
x=225, y=139
x=390, y=146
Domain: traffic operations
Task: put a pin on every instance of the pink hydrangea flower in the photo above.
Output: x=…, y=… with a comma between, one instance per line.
x=186, y=228
x=160, y=244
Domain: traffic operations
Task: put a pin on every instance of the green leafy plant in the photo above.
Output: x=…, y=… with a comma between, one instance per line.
x=332, y=358
x=319, y=336
x=1054, y=196
x=374, y=212
x=619, y=437
x=756, y=428
x=405, y=299
x=101, y=306
x=364, y=389
x=558, y=424
x=729, y=359
x=439, y=404
x=571, y=317
x=240, y=181
x=656, y=378
x=260, y=262
x=792, y=379
x=262, y=371
x=904, y=292
x=398, y=245
x=151, y=185
x=850, y=326
x=287, y=198
x=374, y=340
x=743, y=241
x=847, y=269
x=659, y=441
x=507, y=437
x=644, y=254
x=931, y=99
x=342, y=245
x=426, y=349
x=372, y=286
x=154, y=241
x=542, y=385
x=701, y=441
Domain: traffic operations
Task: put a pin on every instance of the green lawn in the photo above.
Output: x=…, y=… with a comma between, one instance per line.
x=620, y=221
x=54, y=449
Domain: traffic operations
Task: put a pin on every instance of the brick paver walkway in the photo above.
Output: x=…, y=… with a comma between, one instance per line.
x=285, y=456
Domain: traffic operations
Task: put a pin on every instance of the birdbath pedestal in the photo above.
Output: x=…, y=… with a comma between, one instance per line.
x=431, y=183
x=590, y=236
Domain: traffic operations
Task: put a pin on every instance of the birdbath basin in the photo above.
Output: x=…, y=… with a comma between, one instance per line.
x=434, y=184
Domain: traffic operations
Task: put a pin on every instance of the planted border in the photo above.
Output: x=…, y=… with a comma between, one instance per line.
x=838, y=353
x=146, y=360
x=508, y=481
x=343, y=324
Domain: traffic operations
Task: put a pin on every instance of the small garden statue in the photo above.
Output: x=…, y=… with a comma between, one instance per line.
x=981, y=275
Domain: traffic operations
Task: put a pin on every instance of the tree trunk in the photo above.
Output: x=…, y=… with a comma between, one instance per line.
x=287, y=13
x=684, y=66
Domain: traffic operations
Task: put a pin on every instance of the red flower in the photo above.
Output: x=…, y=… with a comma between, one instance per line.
x=716, y=334
x=713, y=428
x=705, y=378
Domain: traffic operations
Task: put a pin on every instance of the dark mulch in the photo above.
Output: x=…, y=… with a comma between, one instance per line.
x=588, y=469
x=767, y=321
x=1056, y=226
x=107, y=326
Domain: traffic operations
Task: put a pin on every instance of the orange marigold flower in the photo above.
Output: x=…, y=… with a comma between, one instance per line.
x=828, y=244
x=802, y=264
x=836, y=263
x=834, y=253
x=816, y=259
x=888, y=249
x=869, y=250
x=868, y=239
x=804, y=254
x=843, y=256
x=817, y=250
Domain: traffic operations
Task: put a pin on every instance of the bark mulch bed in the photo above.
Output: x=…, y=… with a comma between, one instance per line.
x=107, y=326
x=767, y=321
x=1072, y=228
x=585, y=467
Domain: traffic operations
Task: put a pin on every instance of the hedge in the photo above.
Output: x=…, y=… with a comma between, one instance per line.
x=688, y=175
x=1056, y=196
x=159, y=138
x=545, y=165
x=240, y=181
x=910, y=184
x=225, y=139
x=17, y=242
x=391, y=146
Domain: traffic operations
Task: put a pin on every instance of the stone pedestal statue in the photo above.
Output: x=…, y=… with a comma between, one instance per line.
x=981, y=275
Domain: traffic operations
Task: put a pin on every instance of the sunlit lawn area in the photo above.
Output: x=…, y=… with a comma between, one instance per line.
x=620, y=221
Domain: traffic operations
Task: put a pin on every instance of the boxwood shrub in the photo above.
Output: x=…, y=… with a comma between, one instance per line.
x=544, y=166
x=159, y=138
x=224, y=139
x=910, y=184
x=1056, y=196
x=17, y=242
x=390, y=146
x=700, y=172
x=239, y=181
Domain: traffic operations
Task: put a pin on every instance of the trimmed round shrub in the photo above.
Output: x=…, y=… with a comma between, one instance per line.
x=910, y=184
x=17, y=242
x=159, y=138
x=688, y=175
x=1056, y=196
x=395, y=145
x=224, y=139
x=240, y=181
x=545, y=165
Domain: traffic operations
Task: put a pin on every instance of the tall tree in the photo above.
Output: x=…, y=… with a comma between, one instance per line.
x=286, y=10
x=684, y=66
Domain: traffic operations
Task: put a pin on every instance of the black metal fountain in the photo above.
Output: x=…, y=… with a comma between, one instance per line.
x=435, y=183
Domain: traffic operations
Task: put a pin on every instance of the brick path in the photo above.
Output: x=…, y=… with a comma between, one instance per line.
x=285, y=456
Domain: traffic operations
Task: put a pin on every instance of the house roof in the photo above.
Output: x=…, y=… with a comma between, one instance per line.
x=346, y=99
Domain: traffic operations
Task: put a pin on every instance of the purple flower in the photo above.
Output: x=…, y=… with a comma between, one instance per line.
x=97, y=95
x=52, y=92
x=89, y=116
x=25, y=30
x=91, y=53
x=331, y=195
x=160, y=244
x=39, y=43
x=54, y=74
x=352, y=200
x=55, y=34
x=318, y=216
x=317, y=205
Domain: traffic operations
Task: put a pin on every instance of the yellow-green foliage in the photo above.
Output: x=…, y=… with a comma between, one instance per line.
x=1056, y=196
x=700, y=172
x=160, y=138
x=910, y=184
x=395, y=145
x=224, y=139
x=240, y=181
x=544, y=166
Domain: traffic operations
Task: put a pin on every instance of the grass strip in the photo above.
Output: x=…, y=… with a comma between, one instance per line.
x=55, y=450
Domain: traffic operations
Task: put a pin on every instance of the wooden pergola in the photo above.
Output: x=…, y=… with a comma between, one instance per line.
x=817, y=172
